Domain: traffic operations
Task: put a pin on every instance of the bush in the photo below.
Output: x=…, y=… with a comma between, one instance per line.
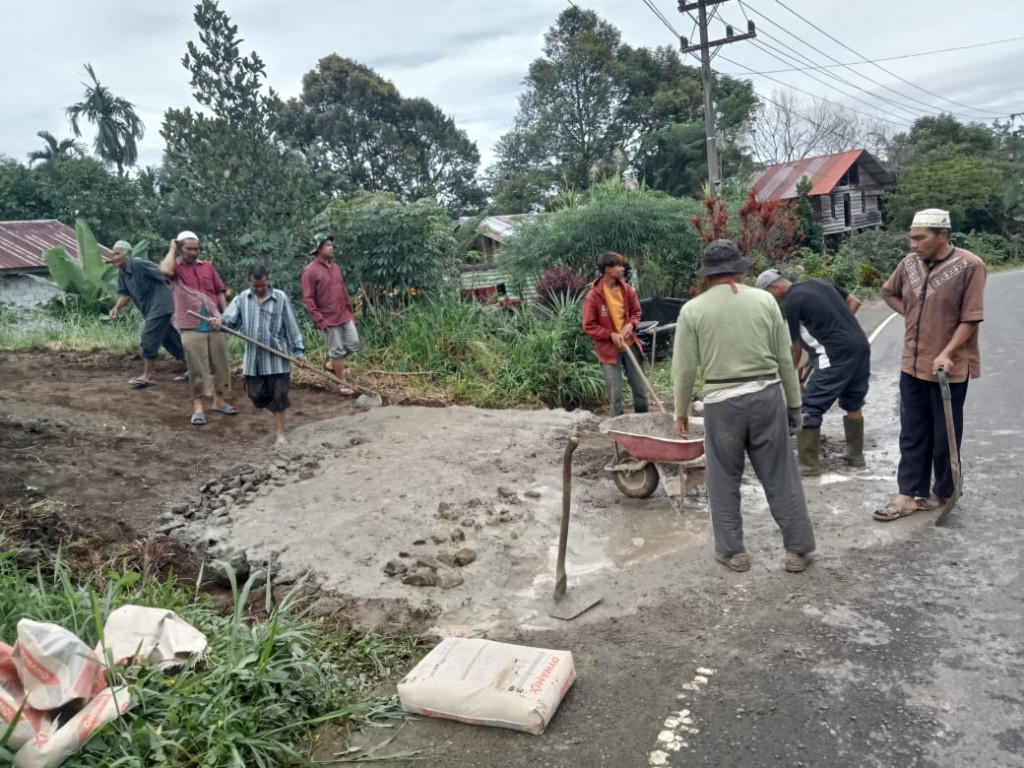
x=882, y=249
x=993, y=249
x=560, y=283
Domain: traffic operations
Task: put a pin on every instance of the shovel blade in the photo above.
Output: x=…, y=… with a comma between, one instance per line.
x=369, y=401
x=572, y=605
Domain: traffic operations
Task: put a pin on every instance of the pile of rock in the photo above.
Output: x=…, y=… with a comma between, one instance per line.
x=429, y=571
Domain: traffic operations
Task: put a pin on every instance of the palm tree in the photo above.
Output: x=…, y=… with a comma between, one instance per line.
x=118, y=127
x=55, y=150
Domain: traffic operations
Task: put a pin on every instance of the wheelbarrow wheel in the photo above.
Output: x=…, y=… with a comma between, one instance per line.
x=637, y=483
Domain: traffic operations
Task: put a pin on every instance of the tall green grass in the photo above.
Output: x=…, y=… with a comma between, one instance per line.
x=265, y=688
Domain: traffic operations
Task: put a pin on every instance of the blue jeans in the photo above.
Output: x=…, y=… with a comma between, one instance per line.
x=613, y=381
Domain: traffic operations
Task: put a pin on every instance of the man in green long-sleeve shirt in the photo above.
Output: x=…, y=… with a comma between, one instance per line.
x=736, y=337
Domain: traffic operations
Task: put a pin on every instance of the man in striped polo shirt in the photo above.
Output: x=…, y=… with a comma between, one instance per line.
x=265, y=315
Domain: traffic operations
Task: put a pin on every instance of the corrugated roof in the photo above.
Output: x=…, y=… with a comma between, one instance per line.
x=22, y=243
x=779, y=182
x=500, y=228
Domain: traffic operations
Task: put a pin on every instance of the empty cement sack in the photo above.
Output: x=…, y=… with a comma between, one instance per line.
x=487, y=683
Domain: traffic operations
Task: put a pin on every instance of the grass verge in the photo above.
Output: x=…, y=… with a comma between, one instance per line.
x=259, y=699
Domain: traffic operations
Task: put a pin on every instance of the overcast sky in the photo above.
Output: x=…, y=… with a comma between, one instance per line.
x=469, y=57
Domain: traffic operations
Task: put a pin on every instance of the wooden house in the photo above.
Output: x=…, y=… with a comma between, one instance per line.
x=845, y=193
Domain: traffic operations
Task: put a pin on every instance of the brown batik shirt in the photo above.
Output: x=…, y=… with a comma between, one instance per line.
x=937, y=297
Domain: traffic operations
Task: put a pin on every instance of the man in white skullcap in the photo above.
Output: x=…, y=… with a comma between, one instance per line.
x=140, y=281
x=940, y=291
x=198, y=288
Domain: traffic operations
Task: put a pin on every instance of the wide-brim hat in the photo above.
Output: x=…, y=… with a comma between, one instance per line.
x=319, y=239
x=722, y=257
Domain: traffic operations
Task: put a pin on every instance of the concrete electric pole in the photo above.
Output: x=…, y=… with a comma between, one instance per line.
x=705, y=46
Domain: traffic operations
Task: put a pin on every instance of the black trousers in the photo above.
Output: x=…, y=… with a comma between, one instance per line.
x=924, y=446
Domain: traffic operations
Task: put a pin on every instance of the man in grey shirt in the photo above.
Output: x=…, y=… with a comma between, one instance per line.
x=140, y=281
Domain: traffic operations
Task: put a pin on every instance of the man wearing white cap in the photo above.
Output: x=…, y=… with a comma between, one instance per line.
x=198, y=288
x=940, y=291
x=140, y=281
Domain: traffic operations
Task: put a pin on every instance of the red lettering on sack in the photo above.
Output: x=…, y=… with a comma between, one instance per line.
x=92, y=715
x=545, y=673
x=37, y=669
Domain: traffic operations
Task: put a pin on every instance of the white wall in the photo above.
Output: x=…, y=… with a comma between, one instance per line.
x=23, y=291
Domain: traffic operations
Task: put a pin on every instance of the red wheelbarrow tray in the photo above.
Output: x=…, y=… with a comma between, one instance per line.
x=646, y=436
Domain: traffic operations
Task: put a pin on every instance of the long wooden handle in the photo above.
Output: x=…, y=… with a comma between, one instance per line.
x=563, y=533
x=294, y=360
x=647, y=384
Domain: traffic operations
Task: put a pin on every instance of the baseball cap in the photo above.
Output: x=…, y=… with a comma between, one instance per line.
x=768, y=277
x=319, y=239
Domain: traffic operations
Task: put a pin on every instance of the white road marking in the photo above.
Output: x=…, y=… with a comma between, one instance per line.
x=878, y=331
x=678, y=725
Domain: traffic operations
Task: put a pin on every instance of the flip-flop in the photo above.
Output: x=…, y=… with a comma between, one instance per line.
x=346, y=391
x=198, y=419
x=893, y=511
x=141, y=383
x=182, y=377
x=931, y=503
x=227, y=410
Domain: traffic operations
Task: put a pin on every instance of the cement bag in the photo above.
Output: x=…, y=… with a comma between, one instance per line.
x=13, y=708
x=54, y=744
x=55, y=667
x=487, y=683
x=152, y=635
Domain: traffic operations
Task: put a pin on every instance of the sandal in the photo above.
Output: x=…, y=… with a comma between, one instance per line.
x=931, y=503
x=893, y=511
x=198, y=419
x=141, y=383
x=227, y=410
x=740, y=562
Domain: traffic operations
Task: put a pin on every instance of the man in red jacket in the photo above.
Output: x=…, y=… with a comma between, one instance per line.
x=326, y=297
x=611, y=313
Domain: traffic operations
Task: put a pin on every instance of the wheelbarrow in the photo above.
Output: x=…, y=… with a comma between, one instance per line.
x=648, y=453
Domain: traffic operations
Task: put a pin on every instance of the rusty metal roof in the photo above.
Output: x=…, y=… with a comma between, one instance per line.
x=499, y=228
x=779, y=182
x=22, y=244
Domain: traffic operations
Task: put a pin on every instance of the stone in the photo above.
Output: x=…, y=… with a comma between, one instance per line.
x=310, y=464
x=449, y=578
x=445, y=511
x=419, y=542
x=514, y=535
x=281, y=464
x=292, y=467
x=532, y=494
x=247, y=488
x=306, y=474
x=457, y=535
x=504, y=492
x=226, y=500
x=464, y=557
x=469, y=522
x=249, y=477
x=504, y=516
x=165, y=517
x=238, y=562
x=404, y=554
x=235, y=482
x=420, y=577
x=429, y=561
x=447, y=558
x=395, y=567
x=280, y=482
x=171, y=527
x=219, y=512
x=179, y=509
x=474, y=503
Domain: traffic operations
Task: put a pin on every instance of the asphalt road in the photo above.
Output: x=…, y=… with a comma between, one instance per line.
x=902, y=646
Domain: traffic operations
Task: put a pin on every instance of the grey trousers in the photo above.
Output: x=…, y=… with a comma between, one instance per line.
x=754, y=425
x=613, y=382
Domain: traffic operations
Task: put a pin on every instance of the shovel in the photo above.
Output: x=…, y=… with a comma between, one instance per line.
x=647, y=383
x=954, y=454
x=366, y=397
x=572, y=606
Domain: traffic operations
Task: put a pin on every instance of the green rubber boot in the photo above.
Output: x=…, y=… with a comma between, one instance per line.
x=808, y=443
x=854, y=441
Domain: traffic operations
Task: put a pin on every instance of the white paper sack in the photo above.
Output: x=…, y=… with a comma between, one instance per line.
x=55, y=667
x=151, y=635
x=12, y=699
x=487, y=683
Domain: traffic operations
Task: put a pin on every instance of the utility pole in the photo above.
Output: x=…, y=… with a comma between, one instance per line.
x=705, y=46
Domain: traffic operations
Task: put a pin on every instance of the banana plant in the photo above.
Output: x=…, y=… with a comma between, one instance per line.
x=88, y=280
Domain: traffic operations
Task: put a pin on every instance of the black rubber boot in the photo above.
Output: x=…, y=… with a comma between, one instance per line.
x=854, y=441
x=808, y=443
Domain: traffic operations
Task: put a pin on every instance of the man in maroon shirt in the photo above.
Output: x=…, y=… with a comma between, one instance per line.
x=196, y=286
x=326, y=297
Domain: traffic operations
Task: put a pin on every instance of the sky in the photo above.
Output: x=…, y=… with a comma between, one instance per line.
x=469, y=57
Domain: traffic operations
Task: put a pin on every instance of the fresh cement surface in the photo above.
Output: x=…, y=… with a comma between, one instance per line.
x=900, y=646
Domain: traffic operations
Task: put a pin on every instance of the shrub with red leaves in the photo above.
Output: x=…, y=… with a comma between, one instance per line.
x=559, y=283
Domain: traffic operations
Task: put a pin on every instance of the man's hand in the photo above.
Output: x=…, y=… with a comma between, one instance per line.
x=112, y=314
x=618, y=341
x=944, y=362
x=174, y=248
x=627, y=331
x=216, y=323
x=682, y=426
x=796, y=421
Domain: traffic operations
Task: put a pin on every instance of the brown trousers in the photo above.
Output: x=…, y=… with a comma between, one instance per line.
x=206, y=354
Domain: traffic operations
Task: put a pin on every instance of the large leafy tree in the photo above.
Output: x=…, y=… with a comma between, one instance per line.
x=55, y=149
x=118, y=127
x=594, y=106
x=361, y=133
x=225, y=173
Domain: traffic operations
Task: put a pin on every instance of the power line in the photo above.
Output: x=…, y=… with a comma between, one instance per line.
x=878, y=66
x=891, y=58
x=661, y=17
x=930, y=109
